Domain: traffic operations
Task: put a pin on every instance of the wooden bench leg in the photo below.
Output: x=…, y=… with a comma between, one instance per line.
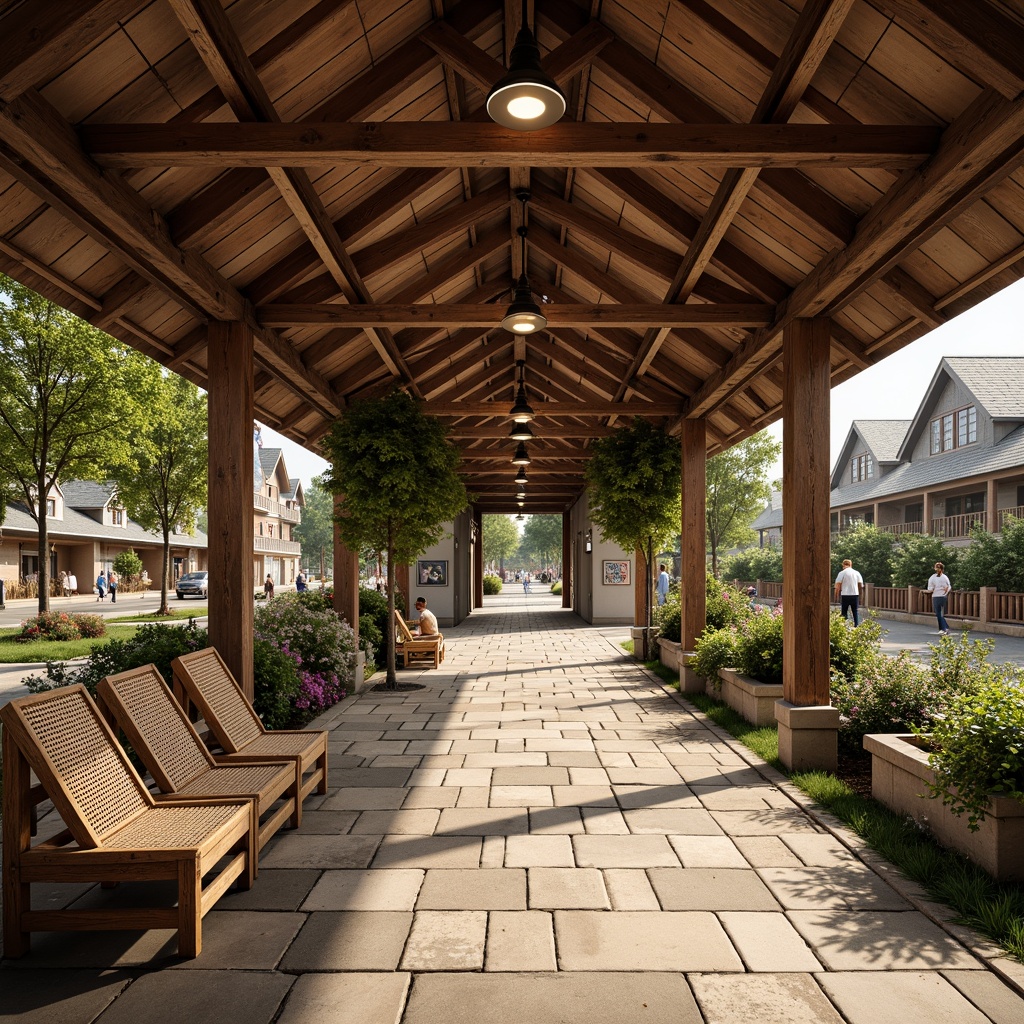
x=190, y=908
x=17, y=838
x=322, y=763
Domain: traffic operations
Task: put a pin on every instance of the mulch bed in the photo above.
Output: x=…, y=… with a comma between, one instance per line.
x=400, y=687
x=855, y=770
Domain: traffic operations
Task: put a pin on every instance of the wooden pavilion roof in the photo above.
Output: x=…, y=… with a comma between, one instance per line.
x=324, y=171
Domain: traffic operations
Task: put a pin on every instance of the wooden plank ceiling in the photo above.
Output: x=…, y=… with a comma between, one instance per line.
x=324, y=171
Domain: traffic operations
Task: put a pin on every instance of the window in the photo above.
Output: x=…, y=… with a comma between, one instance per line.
x=51, y=507
x=270, y=529
x=954, y=430
x=862, y=467
x=117, y=516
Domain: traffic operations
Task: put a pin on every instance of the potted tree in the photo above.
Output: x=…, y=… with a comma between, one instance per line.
x=395, y=477
x=633, y=479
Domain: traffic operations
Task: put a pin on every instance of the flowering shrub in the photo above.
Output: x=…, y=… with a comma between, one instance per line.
x=62, y=626
x=321, y=648
x=715, y=649
x=725, y=605
x=759, y=645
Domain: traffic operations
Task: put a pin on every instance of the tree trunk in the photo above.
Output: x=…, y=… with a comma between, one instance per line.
x=165, y=559
x=647, y=599
x=44, y=545
x=389, y=633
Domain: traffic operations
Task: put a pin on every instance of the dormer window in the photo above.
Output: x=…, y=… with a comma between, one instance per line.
x=117, y=516
x=954, y=430
x=862, y=467
x=51, y=508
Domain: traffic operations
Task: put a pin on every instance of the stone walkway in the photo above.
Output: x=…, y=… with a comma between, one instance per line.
x=542, y=834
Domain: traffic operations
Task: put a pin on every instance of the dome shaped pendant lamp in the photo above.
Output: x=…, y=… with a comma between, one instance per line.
x=525, y=99
x=523, y=315
x=522, y=456
x=521, y=475
x=521, y=411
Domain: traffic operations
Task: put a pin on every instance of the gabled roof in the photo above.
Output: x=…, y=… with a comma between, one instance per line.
x=88, y=493
x=771, y=517
x=295, y=492
x=996, y=382
x=881, y=437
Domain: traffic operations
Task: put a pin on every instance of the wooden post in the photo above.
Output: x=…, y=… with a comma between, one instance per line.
x=991, y=511
x=402, y=586
x=230, y=502
x=641, y=645
x=693, y=552
x=808, y=726
x=927, y=513
x=478, y=558
x=346, y=579
x=566, y=560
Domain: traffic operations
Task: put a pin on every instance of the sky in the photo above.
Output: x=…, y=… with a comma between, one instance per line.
x=890, y=390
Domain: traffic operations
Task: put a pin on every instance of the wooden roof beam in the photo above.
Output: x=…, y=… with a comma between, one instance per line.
x=439, y=144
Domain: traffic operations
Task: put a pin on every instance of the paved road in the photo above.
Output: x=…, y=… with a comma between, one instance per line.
x=541, y=834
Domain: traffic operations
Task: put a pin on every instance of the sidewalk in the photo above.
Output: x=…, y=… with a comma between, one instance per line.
x=543, y=835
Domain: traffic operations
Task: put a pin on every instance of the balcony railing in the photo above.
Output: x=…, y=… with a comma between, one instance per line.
x=276, y=546
x=275, y=508
x=1010, y=513
x=900, y=528
x=957, y=526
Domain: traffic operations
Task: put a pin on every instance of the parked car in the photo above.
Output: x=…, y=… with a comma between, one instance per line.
x=192, y=584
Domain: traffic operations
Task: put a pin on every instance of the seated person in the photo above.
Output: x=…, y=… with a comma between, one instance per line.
x=428, y=620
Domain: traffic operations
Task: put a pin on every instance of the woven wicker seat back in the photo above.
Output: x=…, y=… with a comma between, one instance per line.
x=212, y=688
x=156, y=726
x=84, y=770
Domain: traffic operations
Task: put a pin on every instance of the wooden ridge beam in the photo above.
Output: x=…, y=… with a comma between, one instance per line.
x=612, y=314
x=476, y=144
x=546, y=410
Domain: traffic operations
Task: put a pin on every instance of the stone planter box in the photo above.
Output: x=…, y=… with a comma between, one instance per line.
x=754, y=700
x=668, y=653
x=899, y=777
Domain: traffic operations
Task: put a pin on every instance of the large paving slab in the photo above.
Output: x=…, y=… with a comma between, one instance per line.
x=541, y=833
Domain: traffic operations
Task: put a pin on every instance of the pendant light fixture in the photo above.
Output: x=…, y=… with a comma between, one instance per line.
x=521, y=494
x=520, y=517
x=521, y=432
x=522, y=456
x=523, y=315
x=525, y=99
x=521, y=475
x=521, y=411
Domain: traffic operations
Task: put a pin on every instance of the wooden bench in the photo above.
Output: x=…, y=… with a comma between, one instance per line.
x=414, y=649
x=202, y=678
x=159, y=731
x=116, y=831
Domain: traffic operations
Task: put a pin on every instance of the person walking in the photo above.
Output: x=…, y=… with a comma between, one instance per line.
x=661, y=588
x=939, y=587
x=268, y=587
x=101, y=585
x=526, y=583
x=300, y=583
x=112, y=584
x=849, y=587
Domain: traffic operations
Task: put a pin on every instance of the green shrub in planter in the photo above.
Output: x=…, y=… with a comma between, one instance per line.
x=670, y=621
x=492, y=584
x=724, y=604
x=715, y=649
x=275, y=685
x=850, y=648
x=759, y=646
x=556, y=587
x=978, y=746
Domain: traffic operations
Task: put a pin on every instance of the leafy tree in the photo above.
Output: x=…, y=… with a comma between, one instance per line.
x=162, y=480
x=633, y=480
x=203, y=521
x=754, y=564
x=915, y=557
x=737, y=491
x=68, y=408
x=542, y=539
x=871, y=551
x=128, y=565
x=993, y=560
x=395, y=474
x=501, y=539
x=316, y=531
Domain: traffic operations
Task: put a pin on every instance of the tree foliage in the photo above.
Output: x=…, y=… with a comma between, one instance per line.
x=542, y=539
x=754, y=564
x=633, y=481
x=394, y=472
x=316, y=531
x=162, y=479
x=737, y=491
x=915, y=557
x=501, y=539
x=68, y=407
x=993, y=560
x=870, y=549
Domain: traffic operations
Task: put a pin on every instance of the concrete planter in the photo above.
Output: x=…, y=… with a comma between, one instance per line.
x=668, y=653
x=644, y=640
x=754, y=700
x=899, y=778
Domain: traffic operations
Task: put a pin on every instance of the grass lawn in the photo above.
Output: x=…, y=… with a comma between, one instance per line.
x=196, y=612
x=995, y=909
x=13, y=651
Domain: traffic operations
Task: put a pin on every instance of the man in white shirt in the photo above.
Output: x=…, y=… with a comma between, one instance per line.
x=939, y=587
x=663, y=585
x=849, y=587
x=428, y=620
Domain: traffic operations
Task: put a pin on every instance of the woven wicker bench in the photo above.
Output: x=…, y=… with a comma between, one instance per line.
x=413, y=649
x=116, y=831
x=202, y=678
x=141, y=704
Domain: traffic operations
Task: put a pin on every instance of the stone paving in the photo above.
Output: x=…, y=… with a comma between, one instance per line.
x=541, y=834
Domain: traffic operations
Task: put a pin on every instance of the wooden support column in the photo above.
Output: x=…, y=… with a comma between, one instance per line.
x=927, y=512
x=693, y=524
x=991, y=506
x=478, y=558
x=230, y=501
x=566, y=560
x=346, y=579
x=808, y=726
x=402, y=586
